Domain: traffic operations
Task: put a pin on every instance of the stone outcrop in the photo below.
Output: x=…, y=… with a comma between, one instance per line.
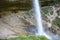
x=13, y=24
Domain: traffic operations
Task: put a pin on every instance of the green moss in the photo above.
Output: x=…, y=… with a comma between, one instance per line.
x=29, y=37
x=53, y=26
x=46, y=9
x=57, y=21
x=58, y=13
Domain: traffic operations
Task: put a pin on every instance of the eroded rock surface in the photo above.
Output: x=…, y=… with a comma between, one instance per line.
x=13, y=24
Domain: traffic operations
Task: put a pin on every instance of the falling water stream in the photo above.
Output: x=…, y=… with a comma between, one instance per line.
x=38, y=19
x=39, y=25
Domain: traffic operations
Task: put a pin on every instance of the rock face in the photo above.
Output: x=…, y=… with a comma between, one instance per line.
x=51, y=19
x=13, y=24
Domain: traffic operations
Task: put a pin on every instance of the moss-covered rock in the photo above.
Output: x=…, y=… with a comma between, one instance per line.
x=29, y=37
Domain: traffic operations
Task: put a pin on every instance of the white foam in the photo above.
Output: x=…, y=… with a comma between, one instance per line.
x=38, y=19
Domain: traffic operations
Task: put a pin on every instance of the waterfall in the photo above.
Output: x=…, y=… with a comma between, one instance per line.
x=38, y=18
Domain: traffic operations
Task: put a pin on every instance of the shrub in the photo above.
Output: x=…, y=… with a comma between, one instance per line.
x=29, y=37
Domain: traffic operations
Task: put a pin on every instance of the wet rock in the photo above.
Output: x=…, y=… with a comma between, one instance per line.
x=58, y=25
x=52, y=31
x=31, y=29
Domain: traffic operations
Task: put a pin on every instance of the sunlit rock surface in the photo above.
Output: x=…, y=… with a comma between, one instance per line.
x=15, y=23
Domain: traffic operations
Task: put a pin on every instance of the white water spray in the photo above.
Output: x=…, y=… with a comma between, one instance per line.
x=38, y=18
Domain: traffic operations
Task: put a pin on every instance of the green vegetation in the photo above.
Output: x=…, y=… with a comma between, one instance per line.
x=59, y=13
x=56, y=21
x=29, y=37
x=47, y=9
x=56, y=1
